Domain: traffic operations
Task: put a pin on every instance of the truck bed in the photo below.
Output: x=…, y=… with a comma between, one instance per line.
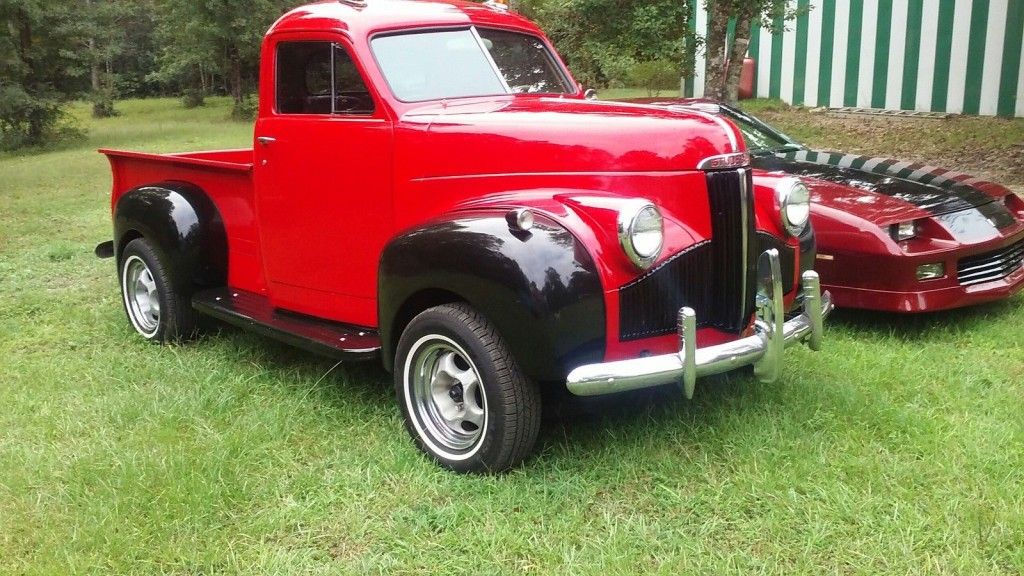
x=225, y=176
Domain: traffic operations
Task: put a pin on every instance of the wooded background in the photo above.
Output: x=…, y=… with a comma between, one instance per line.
x=53, y=51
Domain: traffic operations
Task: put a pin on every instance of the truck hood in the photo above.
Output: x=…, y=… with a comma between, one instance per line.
x=535, y=135
x=882, y=191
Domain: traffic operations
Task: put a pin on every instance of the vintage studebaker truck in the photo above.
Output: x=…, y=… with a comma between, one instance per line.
x=430, y=188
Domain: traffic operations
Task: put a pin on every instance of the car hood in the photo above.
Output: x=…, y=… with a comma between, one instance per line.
x=533, y=135
x=883, y=190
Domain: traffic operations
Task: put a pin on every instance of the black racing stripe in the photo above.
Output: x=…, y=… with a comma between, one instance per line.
x=935, y=198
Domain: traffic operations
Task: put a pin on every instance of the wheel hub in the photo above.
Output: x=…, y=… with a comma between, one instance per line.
x=447, y=398
x=141, y=296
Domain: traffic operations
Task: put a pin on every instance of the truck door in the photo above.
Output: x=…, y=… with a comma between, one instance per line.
x=323, y=183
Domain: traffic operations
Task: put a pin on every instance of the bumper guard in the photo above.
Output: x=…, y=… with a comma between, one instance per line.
x=763, y=350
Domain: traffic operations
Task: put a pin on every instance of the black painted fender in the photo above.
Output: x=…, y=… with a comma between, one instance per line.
x=184, y=222
x=540, y=288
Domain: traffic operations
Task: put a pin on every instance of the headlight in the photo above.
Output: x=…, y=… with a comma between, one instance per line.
x=794, y=205
x=641, y=233
x=903, y=231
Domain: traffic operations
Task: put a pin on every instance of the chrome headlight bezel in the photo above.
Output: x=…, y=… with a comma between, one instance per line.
x=794, y=204
x=637, y=218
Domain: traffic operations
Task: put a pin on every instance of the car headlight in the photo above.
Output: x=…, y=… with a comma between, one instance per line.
x=903, y=231
x=794, y=205
x=641, y=233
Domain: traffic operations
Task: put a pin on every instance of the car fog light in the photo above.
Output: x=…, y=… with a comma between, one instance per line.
x=931, y=271
x=903, y=231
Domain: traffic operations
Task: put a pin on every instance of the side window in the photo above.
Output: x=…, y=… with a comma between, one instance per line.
x=319, y=78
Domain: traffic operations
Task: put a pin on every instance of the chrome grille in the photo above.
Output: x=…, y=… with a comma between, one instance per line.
x=716, y=278
x=990, y=266
x=734, y=262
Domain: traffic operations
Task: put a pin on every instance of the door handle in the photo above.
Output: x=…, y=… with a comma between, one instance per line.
x=266, y=140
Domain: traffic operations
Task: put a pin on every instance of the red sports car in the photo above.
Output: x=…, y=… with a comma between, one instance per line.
x=895, y=236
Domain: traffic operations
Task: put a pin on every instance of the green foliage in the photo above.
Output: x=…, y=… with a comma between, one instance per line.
x=193, y=98
x=38, y=71
x=103, y=103
x=602, y=40
x=213, y=37
x=655, y=76
x=245, y=109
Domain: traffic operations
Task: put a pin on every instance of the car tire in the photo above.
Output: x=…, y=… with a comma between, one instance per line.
x=465, y=401
x=157, y=310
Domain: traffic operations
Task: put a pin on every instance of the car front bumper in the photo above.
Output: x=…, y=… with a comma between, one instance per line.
x=763, y=350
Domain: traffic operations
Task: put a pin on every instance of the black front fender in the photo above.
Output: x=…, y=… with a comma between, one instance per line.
x=540, y=288
x=183, y=222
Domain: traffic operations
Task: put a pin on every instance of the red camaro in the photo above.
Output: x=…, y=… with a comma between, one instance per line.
x=896, y=236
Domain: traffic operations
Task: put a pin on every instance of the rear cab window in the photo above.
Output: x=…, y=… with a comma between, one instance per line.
x=319, y=78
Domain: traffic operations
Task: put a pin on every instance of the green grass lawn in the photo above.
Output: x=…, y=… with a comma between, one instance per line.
x=898, y=449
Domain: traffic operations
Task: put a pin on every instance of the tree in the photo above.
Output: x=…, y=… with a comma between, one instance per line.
x=604, y=40
x=39, y=69
x=105, y=28
x=724, y=62
x=220, y=35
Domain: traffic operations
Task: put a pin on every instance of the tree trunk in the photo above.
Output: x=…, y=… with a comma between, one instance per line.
x=237, y=89
x=94, y=68
x=738, y=53
x=716, y=66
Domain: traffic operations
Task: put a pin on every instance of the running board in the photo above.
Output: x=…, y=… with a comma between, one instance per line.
x=255, y=313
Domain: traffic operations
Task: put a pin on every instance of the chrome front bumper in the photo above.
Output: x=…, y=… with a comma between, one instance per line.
x=763, y=350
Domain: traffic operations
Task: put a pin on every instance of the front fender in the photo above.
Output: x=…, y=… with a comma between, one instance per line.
x=540, y=288
x=183, y=222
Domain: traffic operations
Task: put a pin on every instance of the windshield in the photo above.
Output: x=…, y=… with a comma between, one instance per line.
x=435, y=65
x=759, y=136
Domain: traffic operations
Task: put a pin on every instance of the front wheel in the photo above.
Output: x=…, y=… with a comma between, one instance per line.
x=465, y=401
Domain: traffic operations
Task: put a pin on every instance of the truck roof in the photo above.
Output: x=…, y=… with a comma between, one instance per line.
x=364, y=18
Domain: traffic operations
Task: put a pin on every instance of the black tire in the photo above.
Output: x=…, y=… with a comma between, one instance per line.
x=510, y=401
x=174, y=319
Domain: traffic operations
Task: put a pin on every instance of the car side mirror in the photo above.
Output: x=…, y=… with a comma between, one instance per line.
x=590, y=94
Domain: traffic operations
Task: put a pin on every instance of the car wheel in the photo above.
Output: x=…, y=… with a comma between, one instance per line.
x=157, y=311
x=465, y=401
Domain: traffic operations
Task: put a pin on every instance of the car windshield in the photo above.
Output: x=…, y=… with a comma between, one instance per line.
x=435, y=65
x=759, y=136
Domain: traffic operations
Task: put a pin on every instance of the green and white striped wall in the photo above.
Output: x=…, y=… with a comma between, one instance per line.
x=955, y=56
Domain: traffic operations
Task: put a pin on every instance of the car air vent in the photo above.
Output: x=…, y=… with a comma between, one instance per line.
x=990, y=266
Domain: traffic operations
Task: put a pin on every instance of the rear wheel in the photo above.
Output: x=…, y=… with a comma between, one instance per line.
x=157, y=311
x=465, y=401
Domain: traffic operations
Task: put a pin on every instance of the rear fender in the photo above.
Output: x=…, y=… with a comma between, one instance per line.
x=182, y=220
x=540, y=288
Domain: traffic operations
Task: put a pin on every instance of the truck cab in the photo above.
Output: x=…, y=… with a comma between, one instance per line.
x=428, y=187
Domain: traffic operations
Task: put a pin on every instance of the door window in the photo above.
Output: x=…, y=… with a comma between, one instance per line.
x=319, y=78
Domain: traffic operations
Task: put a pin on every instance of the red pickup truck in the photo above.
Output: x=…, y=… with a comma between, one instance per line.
x=429, y=187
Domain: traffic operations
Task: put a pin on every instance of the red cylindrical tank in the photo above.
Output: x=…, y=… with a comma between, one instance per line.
x=747, y=79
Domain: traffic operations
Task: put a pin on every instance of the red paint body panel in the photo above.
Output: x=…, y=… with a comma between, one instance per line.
x=309, y=212
x=226, y=176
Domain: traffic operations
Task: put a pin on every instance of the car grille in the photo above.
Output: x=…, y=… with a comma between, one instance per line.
x=990, y=266
x=716, y=278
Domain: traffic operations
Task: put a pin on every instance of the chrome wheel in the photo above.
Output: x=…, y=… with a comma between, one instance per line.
x=141, y=296
x=445, y=397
